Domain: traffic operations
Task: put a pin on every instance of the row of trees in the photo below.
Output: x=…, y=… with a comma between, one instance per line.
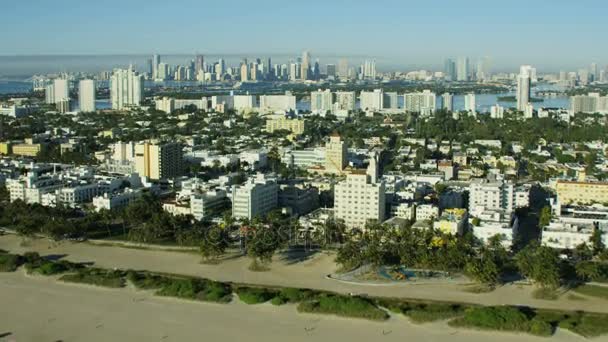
x=488, y=264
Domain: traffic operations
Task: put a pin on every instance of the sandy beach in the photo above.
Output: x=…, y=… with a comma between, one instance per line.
x=43, y=309
x=309, y=273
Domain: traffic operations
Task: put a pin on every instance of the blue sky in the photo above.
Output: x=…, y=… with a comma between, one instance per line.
x=512, y=32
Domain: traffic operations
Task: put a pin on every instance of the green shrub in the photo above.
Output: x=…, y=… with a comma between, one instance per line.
x=423, y=313
x=496, y=318
x=278, y=300
x=293, y=295
x=146, y=280
x=51, y=268
x=199, y=289
x=540, y=328
x=97, y=277
x=355, y=307
x=253, y=295
x=215, y=292
x=10, y=262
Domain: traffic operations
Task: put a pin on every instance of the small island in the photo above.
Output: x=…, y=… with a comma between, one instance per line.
x=514, y=99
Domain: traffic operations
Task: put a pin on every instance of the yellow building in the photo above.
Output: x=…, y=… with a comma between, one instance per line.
x=452, y=221
x=158, y=160
x=336, y=155
x=295, y=126
x=5, y=148
x=27, y=150
x=582, y=192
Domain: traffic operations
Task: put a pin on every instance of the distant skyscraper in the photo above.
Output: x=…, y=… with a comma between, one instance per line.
x=483, y=69
x=448, y=102
x=369, y=70
x=155, y=63
x=462, y=70
x=86, y=95
x=199, y=64
x=150, y=63
x=305, y=67
x=162, y=71
x=330, y=70
x=126, y=88
x=343, y=68
x=244, y=71
x=316, y=72
x=450, y=70
x=593, y=72
x=268, y=73
x=523, y=87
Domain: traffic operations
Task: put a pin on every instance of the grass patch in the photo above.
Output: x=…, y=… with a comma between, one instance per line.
x=97, y=277
x=575, y=297
x=355, y=307
x=545, y=294
x=196, y=289
x=586, y=324
x=479, y=288
x=254, y=295
x=257, y=266
x=503, y=318
x=10, y=262
x=593, y=291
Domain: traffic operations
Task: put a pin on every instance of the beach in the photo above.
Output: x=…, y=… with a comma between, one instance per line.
x=42, y=309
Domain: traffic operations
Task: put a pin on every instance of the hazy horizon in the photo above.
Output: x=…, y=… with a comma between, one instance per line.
x=552, y=35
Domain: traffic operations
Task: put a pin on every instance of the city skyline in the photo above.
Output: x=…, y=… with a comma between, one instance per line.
x=406, y=34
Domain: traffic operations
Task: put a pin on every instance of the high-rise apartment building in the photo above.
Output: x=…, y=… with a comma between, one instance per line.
x=126, y=88
x=424, y=102
x=447, y=102
x=86, y=95
x=391, y=100
x=61, y=89
x=372, y=100
x=462, y=69
x=524, y=84
x=590, y=103
x=157, y=160
x=359, y=201
x=321, y=101
x=345, y=101
x=496, y=195
x=469, y=104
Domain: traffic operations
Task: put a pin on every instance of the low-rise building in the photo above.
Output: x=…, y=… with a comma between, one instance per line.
x=452, y=221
